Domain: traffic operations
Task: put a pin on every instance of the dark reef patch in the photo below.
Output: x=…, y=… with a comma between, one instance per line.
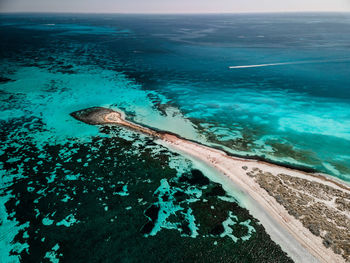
x=196, y=177
x=5, y=80
x=217, y=230
x=216, y=191
x=152, y=212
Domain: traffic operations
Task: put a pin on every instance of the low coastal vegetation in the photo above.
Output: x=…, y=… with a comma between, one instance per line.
x=323, y=209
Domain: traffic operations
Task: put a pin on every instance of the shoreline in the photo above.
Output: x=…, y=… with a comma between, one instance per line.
x=245, y=174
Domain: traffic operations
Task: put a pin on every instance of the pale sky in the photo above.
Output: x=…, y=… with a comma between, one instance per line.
x=173, y=6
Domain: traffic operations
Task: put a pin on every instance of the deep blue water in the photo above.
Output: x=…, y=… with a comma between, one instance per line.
x=172, y=73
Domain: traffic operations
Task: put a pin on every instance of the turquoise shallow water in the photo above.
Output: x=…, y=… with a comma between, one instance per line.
x=170, y=73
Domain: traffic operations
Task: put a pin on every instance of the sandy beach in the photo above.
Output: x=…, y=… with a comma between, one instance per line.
x=307, y=214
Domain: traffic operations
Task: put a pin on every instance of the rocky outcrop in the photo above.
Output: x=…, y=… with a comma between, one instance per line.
x=93, y=116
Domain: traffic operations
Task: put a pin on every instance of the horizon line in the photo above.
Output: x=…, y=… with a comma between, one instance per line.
x=175, y=13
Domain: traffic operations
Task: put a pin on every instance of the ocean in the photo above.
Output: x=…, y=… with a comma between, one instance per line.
x=269, y=86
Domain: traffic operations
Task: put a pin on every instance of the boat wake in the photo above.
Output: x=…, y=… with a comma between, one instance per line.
x=290, y=63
